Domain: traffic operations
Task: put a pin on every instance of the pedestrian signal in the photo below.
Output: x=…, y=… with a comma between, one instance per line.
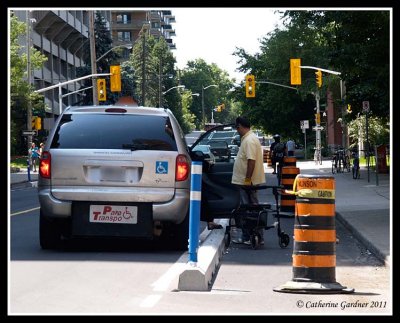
x=318, y=76
x=318, y=118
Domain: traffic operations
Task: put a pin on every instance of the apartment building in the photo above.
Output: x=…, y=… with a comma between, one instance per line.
x=128, y=24
x=60, y=35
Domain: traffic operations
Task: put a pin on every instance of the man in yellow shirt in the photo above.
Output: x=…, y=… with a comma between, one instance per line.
x=248, y=168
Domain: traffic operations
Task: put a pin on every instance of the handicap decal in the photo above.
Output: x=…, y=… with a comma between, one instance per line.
x=161, y=167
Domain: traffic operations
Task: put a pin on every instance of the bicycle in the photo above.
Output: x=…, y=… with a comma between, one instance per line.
x=340, y=161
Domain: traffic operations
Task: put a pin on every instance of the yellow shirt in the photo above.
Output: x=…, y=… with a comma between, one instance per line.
x=250, y=148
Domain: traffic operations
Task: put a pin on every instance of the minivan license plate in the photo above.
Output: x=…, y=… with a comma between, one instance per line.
x=113, y=214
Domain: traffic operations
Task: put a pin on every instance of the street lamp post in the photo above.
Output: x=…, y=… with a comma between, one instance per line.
x=174, y=87
x=202, y=102
x=128, y=46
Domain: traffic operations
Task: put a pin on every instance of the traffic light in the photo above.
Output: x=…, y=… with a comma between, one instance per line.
x=250, y=86
x=33, y=122
x=38, y=123
x=349, y=109
x=115, y=78
x=295, y=71
x=318, y=118
x=318, y=76
x=220, y=107
x=101, y=90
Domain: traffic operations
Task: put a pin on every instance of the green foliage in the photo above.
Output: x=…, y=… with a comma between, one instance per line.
x=378, y=131
x=198, y=75
x=352, y=42
x=21, y=92
x=103, y=44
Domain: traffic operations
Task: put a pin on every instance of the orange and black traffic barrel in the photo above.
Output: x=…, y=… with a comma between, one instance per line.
x=314, y=250
x=288, y=176
x=289, y=161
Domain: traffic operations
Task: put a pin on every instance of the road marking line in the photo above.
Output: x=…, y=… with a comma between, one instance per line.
x=161, y=284
x=25, y=211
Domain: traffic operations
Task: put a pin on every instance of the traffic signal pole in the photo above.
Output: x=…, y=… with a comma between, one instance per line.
x=59, y=85
x=318, y=124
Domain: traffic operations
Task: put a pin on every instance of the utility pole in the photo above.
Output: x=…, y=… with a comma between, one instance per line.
x=93, y=55
x=29, y=72
x=143, y=67
x=160, y=98
x=318, y=124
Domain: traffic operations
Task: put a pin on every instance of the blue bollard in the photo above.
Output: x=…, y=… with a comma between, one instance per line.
x=194, y=212
x=28, y=169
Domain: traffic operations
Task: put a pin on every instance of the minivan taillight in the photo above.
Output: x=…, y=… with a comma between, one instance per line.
x=182, y=168
x=45, y=165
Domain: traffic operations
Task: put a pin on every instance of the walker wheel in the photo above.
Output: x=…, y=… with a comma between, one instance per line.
x=284, y=240
x=255, y=241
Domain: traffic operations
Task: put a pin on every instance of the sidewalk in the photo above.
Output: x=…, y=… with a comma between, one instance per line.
x=20, y=179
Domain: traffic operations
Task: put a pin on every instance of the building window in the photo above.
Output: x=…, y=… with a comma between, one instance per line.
x=124, y=18
x=124, y=36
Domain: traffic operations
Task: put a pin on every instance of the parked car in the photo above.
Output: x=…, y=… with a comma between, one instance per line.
x=299, y=151
x=208, y=155
x=220, y=150
x=113, y=171
x=231, y=137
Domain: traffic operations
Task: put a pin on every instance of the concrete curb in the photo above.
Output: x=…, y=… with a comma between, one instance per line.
x=363, y=240
x=198, y=277
x=24, y=184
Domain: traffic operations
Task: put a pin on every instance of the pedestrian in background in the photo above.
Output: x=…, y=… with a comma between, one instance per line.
x=290, y=146
x=41, y=149
x=248, y=169
x=33, y=156
x=277, y=151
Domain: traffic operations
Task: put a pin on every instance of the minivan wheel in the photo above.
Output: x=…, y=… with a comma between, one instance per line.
x=49, y=233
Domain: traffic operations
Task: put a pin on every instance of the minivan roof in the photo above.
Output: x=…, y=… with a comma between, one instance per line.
x=129, y=109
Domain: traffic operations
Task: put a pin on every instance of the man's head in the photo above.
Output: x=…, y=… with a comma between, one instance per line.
x=277, y=138
x=242, y=125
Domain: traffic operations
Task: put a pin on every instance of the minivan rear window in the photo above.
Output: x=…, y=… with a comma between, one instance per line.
x=114, y=131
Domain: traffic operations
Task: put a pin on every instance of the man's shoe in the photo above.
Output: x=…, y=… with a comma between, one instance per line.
x=262, y=242
x=247, y=242
x=212, y=226
x=274, y=173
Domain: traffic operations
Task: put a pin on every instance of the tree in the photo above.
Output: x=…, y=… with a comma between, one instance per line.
x=21, y=92
x=347, y=41
x=103, y=44
x=197, y=75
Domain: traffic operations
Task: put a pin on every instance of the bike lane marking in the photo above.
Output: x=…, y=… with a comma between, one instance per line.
x=162, y=283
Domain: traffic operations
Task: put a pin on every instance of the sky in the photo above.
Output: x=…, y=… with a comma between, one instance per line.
x=213, y=34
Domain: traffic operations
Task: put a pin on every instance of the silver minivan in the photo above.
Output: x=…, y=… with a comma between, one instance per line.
x=114, y=171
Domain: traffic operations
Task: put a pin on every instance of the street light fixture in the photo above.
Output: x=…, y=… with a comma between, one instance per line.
x=202, y=101
x=161, y=96
x=174, y=87
x=128, y=46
